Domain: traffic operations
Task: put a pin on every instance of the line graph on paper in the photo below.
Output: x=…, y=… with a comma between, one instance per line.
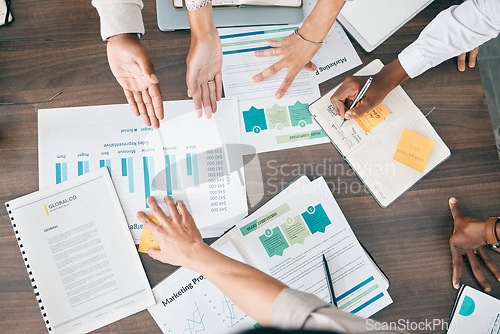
x=195, y=324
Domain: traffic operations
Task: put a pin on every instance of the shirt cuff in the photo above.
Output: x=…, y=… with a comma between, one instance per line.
x=119, y=18
x=298, y=305
x=196, y=4
x=413, y=61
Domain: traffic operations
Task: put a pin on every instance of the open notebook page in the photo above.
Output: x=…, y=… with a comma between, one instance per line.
x=371, y=154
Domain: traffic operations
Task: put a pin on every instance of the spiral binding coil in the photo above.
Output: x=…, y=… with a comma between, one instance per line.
x=30, y=273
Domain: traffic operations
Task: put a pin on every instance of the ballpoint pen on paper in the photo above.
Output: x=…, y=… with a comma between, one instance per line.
x=329, y=281
x=359, y=97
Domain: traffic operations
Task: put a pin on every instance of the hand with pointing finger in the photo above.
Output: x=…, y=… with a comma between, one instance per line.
x=469, y=239
x=295, y=55
x=129, y=61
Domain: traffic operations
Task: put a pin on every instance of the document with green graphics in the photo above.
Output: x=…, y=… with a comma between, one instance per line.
x=285, y=238
x=79, y=254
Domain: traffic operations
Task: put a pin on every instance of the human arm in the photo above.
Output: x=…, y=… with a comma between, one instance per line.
x=181, y=244
x=204, y=61
x=121, y=22
x=383, y=82
x=454, y=31
x=469, y=239
x=295, y=53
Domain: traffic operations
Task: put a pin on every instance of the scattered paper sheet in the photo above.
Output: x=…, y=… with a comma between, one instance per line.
x=195, y=160
x=413, y=150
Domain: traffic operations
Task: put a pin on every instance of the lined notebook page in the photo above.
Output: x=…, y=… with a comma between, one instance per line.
x=371, y=154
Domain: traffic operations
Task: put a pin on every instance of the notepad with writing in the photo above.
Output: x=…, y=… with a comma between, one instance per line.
x=79, y=254
x=390, y=152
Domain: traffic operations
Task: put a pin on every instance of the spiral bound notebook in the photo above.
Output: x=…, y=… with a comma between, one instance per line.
x=79, y=254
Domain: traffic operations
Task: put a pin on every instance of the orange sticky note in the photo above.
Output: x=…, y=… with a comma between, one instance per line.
x=147, y=240
x=413, y=150
x=370, y=119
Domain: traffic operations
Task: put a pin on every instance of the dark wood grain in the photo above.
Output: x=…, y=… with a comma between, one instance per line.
x=409, y=240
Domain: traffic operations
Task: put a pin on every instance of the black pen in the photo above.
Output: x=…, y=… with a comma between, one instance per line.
x=329, y=281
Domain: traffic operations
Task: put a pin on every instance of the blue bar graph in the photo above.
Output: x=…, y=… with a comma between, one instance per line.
x=86, y=166
x=58, y=172
x=146, y=179
x=108, y=164
x=188, y=164
x=195, y=171
x=152, y=173
x=168, y=175
x=173, y=171
x=80, y=168
x=101, y=163
x=124, y=166
x=130, y=167
x=64, y=166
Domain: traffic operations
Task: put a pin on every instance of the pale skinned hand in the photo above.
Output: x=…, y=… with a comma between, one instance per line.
x=295, y=55
x=468, y=240
x=204, y=62
x=177, y=234
x=129, y=61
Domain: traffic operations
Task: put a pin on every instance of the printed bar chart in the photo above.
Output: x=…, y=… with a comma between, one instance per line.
x=61, y=172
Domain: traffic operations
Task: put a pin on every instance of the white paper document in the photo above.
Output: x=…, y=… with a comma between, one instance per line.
x=267, y=124
x=80, y=256
x=475, y=312
x=189, y=303
x=337, y=54
x=287, y=241
x=196, y=160
x=285, y=238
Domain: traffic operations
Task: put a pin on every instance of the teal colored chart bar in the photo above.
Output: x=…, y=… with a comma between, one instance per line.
x=147, y=191
x=195, y=171
x=231, y=52
x=371, y=301
x=188, y=164
x=355, y=288
x=80, y=168
x=173, y=170
x=64, y=166
x=124, y=166
x=260, y=32
x=152, y=173
x=86, y=166
x=101, y=163
x=58, y=173
x=168, y=174
x=130, y=167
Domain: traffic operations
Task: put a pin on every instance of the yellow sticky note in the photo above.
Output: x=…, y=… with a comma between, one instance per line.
x=413, y=150
x=370, y=119
x=147, y=240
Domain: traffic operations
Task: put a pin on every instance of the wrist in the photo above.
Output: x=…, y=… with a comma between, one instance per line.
x=491, y=230
x=391, y=76
x=198, y=256
x=202, y=23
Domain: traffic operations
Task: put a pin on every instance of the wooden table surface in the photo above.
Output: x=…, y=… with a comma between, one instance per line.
x=54, y=45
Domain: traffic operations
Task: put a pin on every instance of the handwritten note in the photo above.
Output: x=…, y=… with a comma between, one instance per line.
x=370, y=119
x=413, y=150
x=147, y=240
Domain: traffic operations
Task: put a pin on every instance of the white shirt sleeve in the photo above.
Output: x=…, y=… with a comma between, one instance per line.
x=119, y=17
x=455, y=30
